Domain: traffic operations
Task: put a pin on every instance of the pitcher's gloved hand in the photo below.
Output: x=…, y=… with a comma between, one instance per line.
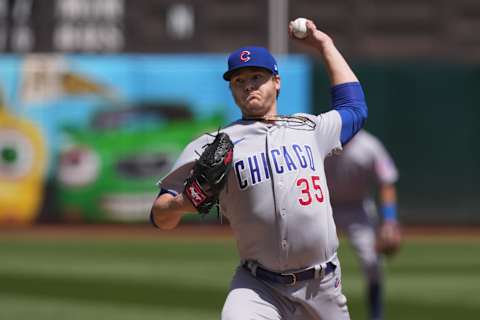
x=209, y=174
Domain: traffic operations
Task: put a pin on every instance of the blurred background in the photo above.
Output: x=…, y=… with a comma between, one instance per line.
x=83, y=82
x=98, y=97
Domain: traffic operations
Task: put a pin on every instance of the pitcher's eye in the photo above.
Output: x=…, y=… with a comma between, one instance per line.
x=238, y=82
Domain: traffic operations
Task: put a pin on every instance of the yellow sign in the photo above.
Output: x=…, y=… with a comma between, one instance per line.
x=22, y=169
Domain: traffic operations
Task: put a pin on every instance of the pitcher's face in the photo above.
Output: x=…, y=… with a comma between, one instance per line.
x=255, y=91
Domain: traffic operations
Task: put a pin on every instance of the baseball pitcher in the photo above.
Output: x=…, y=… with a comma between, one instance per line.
x=266, y=173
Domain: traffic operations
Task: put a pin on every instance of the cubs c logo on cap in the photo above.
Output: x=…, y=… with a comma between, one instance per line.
x=245, y=55
x=251, y=56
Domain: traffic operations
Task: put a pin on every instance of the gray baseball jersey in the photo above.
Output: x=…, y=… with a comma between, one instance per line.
x=352, y=177
x=276, y=198
x=363, y=164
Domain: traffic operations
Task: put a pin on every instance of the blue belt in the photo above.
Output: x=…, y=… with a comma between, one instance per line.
x=288, y=278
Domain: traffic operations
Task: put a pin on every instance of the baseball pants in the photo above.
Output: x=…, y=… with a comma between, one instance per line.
x=317, y=299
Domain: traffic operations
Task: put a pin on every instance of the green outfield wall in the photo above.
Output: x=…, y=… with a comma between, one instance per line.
x=428, y=115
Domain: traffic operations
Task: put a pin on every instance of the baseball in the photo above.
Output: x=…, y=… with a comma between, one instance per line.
x=300, y=28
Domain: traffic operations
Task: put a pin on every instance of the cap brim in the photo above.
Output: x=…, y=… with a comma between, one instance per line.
x=228, y=75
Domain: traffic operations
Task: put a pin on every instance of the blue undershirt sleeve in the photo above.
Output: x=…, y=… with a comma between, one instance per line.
x=348, y=99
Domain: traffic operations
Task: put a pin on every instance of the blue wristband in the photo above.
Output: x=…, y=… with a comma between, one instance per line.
x=389, y=212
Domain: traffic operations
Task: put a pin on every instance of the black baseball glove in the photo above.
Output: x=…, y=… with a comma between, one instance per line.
x=209, y=173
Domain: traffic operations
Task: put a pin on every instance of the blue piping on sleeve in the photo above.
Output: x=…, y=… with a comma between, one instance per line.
x=162, y=191
x=349, y=100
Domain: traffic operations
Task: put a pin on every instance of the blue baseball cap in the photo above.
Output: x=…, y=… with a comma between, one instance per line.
x=258, y=57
